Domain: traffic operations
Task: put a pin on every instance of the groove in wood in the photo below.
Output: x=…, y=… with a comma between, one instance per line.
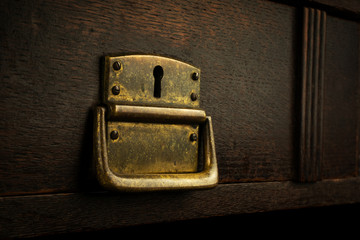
x=313, y=51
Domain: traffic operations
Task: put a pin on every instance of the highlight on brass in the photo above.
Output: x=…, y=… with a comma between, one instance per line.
x=151, y=134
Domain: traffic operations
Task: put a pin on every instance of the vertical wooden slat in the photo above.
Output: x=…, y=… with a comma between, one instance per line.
x=322, y=32
x=312, y=94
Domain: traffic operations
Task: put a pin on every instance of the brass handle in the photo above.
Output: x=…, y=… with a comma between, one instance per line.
x=149, y=136
x=206, y=178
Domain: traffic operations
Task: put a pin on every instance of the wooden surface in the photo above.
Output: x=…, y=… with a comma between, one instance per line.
x=50, y=69
x=341, y=99
x=348, y=6
x=312, y=94
x=69, y=212
x=349, y=9
x=250, y=55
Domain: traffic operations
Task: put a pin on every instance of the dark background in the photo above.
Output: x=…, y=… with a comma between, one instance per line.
x=334, y=221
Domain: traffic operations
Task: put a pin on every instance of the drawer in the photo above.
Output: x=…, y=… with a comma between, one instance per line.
x=280, y=81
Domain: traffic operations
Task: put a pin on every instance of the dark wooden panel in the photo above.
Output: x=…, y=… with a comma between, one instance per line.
x=50, y=75
x=341, y=83
x=347, y=5
x=58, y=213
x=347, y=9
x=249, y=93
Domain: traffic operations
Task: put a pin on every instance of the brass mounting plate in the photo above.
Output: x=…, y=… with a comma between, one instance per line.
x=206, y=178
x=134, y=77
x=152, y=148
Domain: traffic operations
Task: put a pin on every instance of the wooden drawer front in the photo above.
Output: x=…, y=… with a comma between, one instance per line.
x=271, y=129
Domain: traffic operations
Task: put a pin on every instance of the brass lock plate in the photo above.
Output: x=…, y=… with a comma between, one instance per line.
x=152, y=135
x=151, y=81
x=135, y=148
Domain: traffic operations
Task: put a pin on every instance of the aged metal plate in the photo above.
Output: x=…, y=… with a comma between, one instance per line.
x=150, y=138
x=151, y=81
x=152, y=148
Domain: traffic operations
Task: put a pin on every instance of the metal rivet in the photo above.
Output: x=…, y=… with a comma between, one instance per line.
x=115, y=90
x=193, y=137
x=114, y=135
x=117, y=66
x=195, y=76
x=193, y=96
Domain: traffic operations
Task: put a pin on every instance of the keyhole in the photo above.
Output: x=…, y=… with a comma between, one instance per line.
x=158, y=75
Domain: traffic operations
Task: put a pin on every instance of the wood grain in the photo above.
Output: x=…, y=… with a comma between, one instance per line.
x=249, y=52
x=22, y=216
x=312, y=78
x=350, y=6
x=50, y=71
x=341, y=99
x=346, y=9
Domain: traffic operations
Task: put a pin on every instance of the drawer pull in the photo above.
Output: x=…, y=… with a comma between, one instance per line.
x=152, y=135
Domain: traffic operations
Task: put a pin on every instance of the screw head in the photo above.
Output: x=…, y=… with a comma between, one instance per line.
x=193, y=96
x=115, y=90
x=193, y=137
x=114, y=135
x=117, y=66
x=195, y=76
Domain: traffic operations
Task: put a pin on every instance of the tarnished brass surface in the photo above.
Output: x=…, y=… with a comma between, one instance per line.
x=156, y=114
x=206, y=178
x=136, y=82
x=151, y=148
x=149, y=135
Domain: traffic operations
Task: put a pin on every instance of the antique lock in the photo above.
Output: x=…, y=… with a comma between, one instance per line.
x=152, y=135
